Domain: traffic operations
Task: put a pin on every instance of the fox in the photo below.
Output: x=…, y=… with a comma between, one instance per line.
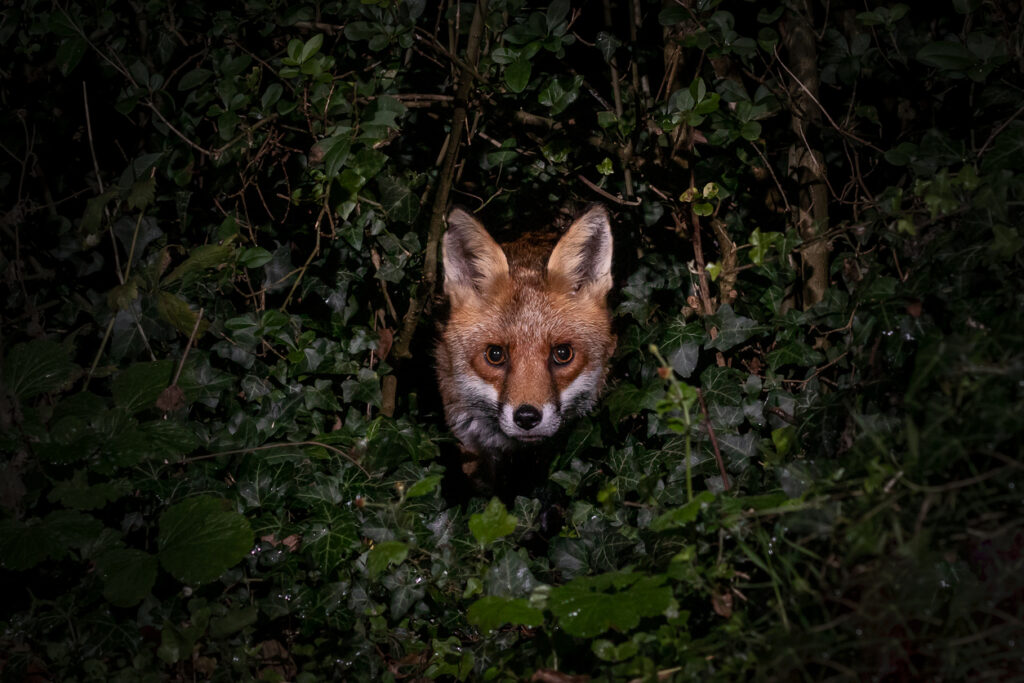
x=526, y=346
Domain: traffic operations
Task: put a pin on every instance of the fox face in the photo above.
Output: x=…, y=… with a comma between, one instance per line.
x=526, y=345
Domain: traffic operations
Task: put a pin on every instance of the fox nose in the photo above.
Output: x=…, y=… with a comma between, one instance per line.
x=526, y=416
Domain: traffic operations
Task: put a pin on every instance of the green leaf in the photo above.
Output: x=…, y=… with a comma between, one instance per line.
x=681, y=516
x=401, y=204
x=201, y=258
x=234, y=621
x=70, y=52
x=331, y=538
x=946, y=55
x=23, y=546
x=76, y=493
x=36, y=367
x=517, y=74
x=493, y=523
x=783, y=439
x=200, y=538
x=560, y=93
x=493, y=611
x=255, y=257
x=585, y=610
x=138, y=386
x=628, y=399
x=311, y=47
x=92, y=219
x=424, y=486
x=610, y=652
x=179, y=314
x=385, y=554
x=194, y=79
x=732, y=329
x=128, y=575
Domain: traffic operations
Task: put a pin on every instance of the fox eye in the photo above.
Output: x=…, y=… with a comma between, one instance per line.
x=562, y=354
x=494, y=354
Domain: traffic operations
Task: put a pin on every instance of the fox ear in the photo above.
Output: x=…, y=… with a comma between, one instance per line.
x=583, y=255
x=471, y=256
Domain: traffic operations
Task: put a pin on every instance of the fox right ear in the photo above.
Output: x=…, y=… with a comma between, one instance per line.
x=471, y=256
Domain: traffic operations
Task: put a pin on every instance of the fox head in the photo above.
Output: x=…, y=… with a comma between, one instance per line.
x=526, y=345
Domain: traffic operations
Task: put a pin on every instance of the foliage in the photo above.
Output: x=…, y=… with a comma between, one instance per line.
x=216, y=223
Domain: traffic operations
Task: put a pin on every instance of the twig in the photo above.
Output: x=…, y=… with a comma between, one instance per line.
x=607, y=195
x=814, y=99
x=202, y=150
x=312, y=255
x=99, y=179
x=997, y=131
x=188, y=346
x=771, y=170
x=714, y=440
x=627, y=174
x=444, y=183
x=269, y=446
x=430, y=40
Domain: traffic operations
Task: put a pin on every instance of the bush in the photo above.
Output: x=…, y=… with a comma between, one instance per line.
x=224, y=454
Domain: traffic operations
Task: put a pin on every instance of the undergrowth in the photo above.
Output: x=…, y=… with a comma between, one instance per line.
x=223, y=450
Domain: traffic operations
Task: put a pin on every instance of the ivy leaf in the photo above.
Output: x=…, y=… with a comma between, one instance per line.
x=493, y=523
x=332, y=537
x=732, y=329
x=510, y=576
x=493, y=611
x=200, y=538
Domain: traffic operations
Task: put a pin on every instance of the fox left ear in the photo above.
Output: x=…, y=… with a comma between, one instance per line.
x=583, y=255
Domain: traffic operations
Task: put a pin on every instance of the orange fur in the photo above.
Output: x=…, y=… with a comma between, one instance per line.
x=539, y=300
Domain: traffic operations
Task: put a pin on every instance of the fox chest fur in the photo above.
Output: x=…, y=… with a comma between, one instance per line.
x=525, y=349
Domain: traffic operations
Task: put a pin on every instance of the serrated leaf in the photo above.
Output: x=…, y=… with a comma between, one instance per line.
x=493, y=611
x=493, y=523
x=23, y=546
x=138, y=386
x=36, y=367
x=202, y=537
x=128, y=575
x=179, y=314
x=201, y=258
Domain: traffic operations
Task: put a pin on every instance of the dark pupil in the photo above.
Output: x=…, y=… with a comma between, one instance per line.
x=563, y=353
x=495, y=354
